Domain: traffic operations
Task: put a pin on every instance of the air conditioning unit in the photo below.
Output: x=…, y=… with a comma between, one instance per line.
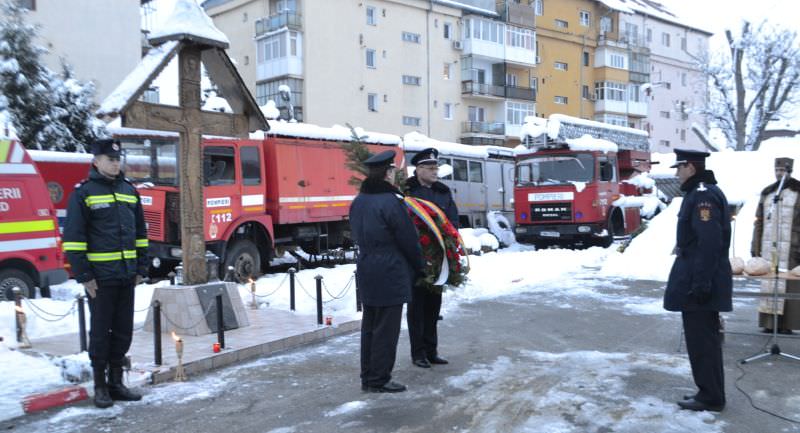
x=457, y=45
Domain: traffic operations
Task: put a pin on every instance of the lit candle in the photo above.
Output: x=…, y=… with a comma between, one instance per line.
x=180, y=376
x=253, y=302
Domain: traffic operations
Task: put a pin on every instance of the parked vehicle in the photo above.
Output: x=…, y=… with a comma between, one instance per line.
x=30, y=244
x=573, y=183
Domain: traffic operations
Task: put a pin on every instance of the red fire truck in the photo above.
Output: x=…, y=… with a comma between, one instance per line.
x=261, y=195
x=30, y=245
x=570, y=184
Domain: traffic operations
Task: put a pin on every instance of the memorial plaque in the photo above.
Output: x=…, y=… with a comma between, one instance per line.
x=207, y=294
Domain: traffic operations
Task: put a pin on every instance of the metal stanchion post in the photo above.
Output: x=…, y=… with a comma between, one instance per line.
x=157, y=332
x=358, y=299
x=18, y=302
x=82, y=322
x=319, y=299
x=291, y=288
x=220, y=323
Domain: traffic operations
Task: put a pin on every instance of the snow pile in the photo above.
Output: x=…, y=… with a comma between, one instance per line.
x=415, y=142
x=533, y=127
x=501, y=228
x=335, y=132
x=190, y=20
x=270, y=111
x=24, y=375
x=587, y=142
x=217, y=103
x=476, y=240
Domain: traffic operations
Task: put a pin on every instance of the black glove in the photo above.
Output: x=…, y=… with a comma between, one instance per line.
x=701, y=294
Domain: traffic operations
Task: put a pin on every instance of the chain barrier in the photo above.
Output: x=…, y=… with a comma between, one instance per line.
x=341, y=294
x=144, y=309
x=202, y=318
x=285, y=276
x=56, y=317
x=304, y=289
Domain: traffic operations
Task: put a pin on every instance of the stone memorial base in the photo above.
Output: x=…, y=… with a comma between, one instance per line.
x=192, y=310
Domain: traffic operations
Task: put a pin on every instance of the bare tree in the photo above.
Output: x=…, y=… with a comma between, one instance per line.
x=755, y=83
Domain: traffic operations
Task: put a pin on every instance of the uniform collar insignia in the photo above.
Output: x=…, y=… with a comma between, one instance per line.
x=701, y=187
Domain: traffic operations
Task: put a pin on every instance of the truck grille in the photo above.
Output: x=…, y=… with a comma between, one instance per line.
x=154, y=225
x=551, y=212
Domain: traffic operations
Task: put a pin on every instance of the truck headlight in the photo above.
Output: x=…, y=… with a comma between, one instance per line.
x=584, y=229
x=175, y=252
x=156, y=262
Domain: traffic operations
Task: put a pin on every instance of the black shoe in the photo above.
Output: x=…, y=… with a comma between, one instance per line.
x=438, y=360
x=101, y=397
x=766, y=330
x=422, y=363
x=785, y=331
x=689, y=396
x=386, y=387
x=699, y=406
x=117, y=389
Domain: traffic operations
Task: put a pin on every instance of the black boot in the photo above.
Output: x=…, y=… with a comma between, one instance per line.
x=117, y=389
x=102, y=399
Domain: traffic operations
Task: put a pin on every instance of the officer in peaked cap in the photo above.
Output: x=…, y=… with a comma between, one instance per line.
x=700, y=282
x=684, y=156
x=389, y=257
x=426, y=303
x=108, y=147
x=385, y=158
x=105, y=240
x=429, y=156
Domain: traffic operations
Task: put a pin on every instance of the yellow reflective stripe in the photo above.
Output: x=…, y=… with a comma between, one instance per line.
x=96, y=199
x=141, y=243
x=26, y=226
x=74, y=246
x=125, y=197
x=129, y=254
x=109, y=257
x=4, y=146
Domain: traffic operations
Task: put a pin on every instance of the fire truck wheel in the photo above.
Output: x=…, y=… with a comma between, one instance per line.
x=243, y=256
x=10, y=278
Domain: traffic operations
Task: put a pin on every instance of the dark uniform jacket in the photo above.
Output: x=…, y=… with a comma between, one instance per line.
x=389, y=254
x=438, y=193
x=104, y=235
x=703, y=239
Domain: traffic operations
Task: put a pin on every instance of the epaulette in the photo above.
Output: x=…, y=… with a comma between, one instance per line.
x=80, y=184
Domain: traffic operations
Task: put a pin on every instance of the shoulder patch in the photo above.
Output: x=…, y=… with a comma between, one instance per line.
x=702, y=187
x=704, y=211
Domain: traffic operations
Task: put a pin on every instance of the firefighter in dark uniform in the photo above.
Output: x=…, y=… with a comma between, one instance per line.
x=700, y=282
x=105, y=240
x=389, y=257
x=423, y=311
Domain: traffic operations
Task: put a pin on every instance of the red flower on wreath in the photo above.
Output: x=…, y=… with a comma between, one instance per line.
x=424, y=240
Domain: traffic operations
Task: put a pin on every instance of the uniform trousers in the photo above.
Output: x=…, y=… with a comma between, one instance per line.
x=704, y=346
x=111, y=329
x=422, y=315
x=380, y=330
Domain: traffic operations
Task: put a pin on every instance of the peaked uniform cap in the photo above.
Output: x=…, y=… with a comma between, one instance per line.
x=384, y=158
x=426, y=156
x=785, y=163
x=108, y=147
x=684, y=156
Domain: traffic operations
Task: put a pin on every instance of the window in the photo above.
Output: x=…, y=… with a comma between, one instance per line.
x=251, y=165
x=585, y=58
x=516, y=112
x=371, y=18
x=649, y=33
x=370, y=58
x=632, y=33
x=447, y=28
x=538, y=7
x=218, y=165
x=683, y=79
x=411, y=37
x=487, y=30
x=612, y=119
x=560, y=66
x=617, y=61
x=411, y=121
x=372, y=101
x=448, y=111
x=270, y=90
x=443, y=161
x=476, y=114
x=271, y=48
x=460, y=170
x=683, y=44
x=562, y=24
x=446, y=72
x=534, y=84
x=519, y=37
x=665, y=39
x=609, y=91
x=27, y=4
x=634, y=92
x=664, y=114
x=585, y=18
x=668, y=85
x=511, y=80
x=412, y=80
x=607, y=172
x=683, y=135
x=475, y=172
x=560, y=100
x=606, y=25
x=585, y=92
x=663, y=143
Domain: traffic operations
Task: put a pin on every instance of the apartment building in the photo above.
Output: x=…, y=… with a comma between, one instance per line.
x=104, y=54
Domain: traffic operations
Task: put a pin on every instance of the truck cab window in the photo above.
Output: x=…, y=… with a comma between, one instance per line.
x=460, y=170
x=443, y=161
x=218, y=166
x=607, y=171
x=251, y=165
x=475, y=172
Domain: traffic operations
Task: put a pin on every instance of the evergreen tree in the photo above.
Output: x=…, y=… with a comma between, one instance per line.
x=47, y=111
x=356, y=153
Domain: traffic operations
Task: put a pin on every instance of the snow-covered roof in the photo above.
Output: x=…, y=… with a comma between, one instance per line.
x=335, y=132
x=127, y=89
x=415, y=142
x=189, y=21
x=53, y=156
x=650, y=8
x=483, y=7
x=587, y=142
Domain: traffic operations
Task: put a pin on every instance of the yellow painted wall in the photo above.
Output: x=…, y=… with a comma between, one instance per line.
x=611, y=74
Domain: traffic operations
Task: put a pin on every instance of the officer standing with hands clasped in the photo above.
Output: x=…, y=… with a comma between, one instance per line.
x=423, y=311
x=389, y=256
x=700, y=282
x=106, y=243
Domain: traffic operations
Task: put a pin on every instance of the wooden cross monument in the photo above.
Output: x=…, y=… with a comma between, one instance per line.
x=189, y=34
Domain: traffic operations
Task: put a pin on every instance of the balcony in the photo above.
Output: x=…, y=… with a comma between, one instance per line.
x=525, y=93
x=490, y=91
x=491, y=128
x=292, y=20
x=630, y=108
x=517, y=14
